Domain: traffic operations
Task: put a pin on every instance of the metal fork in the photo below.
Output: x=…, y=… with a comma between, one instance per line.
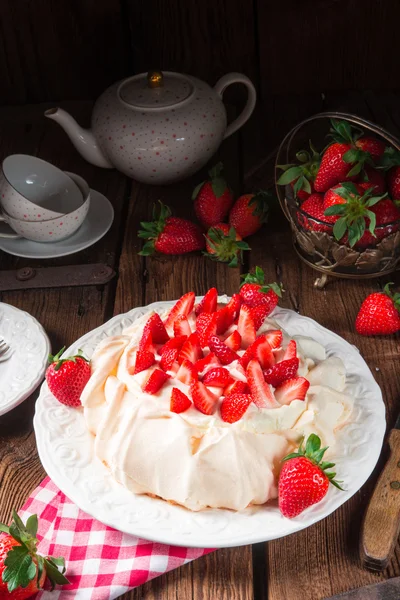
x=4, y=350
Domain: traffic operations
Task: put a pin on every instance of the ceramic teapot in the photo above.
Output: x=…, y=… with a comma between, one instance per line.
x=157, y=127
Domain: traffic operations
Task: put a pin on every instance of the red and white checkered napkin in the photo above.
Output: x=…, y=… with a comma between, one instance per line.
x=102, y=563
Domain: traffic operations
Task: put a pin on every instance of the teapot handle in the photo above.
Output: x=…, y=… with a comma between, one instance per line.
x=221, y=86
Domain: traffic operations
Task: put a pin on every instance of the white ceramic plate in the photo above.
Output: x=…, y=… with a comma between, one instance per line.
x=65, y=449
x=98, y=221
x=23, y=371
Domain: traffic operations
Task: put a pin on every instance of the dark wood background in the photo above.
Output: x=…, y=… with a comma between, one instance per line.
x=53, y=50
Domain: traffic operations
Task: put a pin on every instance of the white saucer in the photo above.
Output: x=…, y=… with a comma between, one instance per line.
x=98, y=221
x=24, y=370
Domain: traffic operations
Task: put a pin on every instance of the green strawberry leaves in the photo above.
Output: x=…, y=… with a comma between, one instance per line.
x=343, y=133
x=394, y=297
x=301, y=175
x=258, y=278
x=217, y=180
x=260, y=202
x=20, y=563
x=290, y=175
x=58, y=361
x=353, y=213
x=315, y=453
x=152, y=229
x=226, y=248
x=390, y=158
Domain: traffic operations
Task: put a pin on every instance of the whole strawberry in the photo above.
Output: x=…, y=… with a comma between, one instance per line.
x=213, y=198
x=372, y=145
x=66, y=377
x=379, y=313
x=342, y=160
x=303, y=480
x=301, y=175
x=314, y=207
x=170, y=235
x=255, y=292
x=249, y=213
x=22, y=570
x=224, y=244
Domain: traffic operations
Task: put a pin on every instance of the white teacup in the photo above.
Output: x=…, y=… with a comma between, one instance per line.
x=33, y=189
x=52, y=230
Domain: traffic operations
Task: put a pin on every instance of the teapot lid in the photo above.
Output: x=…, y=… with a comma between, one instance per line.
x=155, y=90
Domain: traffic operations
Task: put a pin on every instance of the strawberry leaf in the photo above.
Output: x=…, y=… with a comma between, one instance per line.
x=32, y=525
x=306, y=185
x=289, y=176
x=20, y=568
x=196, y=191
x=303, y=156
x=55, y=576
x=372, y=221
x=335, y=209
x=339, y=228
x=351, y=156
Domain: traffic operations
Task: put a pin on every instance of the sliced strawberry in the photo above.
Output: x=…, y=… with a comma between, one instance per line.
x=156, y=328
x=203, y=399
x=224, y=354
x=174, y=343
x=291, y=351
x=237, y=387
x=217, y=377
x=191, y=349
x=259, y=314
x=168, y=358
x=186, y=372
x=223, y=319
x=274, y=338
x=234, y=305
x=292, y=389
x=146, y=341
x=286, y=369
x=184, y=306
x=155, y=381
x=234, y=406
x=144, y=360
x=246, y=326
x=205, y=363
x=262, y=351
x=179, y=401
x=205, y=326
x=209, y=302
x=234, y=341
x=181, y=326
x=259, y=388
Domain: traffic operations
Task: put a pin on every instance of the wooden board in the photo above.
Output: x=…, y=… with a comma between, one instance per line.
x=387, y=590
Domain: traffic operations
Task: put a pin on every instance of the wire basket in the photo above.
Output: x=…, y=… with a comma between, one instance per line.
x=313, y=239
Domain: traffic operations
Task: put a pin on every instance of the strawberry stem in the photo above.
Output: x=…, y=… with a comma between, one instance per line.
x=151, y=230
x=60, y=361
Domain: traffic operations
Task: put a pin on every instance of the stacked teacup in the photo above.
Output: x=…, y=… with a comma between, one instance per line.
x=39, y=201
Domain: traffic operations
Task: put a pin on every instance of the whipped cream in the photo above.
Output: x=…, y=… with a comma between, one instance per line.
x=197, y=460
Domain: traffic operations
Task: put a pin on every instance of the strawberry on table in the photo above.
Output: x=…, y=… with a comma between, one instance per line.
x=249, y=213
x=203, y=399
x=155, y=381
x=170, y=235
x=212, y=198
x=66, y=377
x=183, y=306
x=179, y=402
x=254, y=291
x=260, y=390
x=22, y=570
x=304, y=479
x=209, y=302
x=379, y=313
x=292, y=389
x=234, y=406
x=224, y=244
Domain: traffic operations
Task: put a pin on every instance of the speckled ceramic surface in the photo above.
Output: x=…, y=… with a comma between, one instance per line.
x=157, y=135
x=33, y=189
x=65, y=448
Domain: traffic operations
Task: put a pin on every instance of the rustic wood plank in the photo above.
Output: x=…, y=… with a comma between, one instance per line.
x=61, y=50
x=306, y=47
x=327, y=560
x=66, y=314
x=225, y=574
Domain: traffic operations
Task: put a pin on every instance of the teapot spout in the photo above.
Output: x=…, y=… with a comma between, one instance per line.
x=83, y=139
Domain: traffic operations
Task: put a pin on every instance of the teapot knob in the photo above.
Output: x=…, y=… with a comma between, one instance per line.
x=155, y=79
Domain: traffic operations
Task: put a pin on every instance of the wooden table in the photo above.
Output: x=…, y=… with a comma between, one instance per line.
x=312, y=564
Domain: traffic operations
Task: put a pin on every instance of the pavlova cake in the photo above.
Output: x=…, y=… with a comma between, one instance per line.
x=199, y=405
